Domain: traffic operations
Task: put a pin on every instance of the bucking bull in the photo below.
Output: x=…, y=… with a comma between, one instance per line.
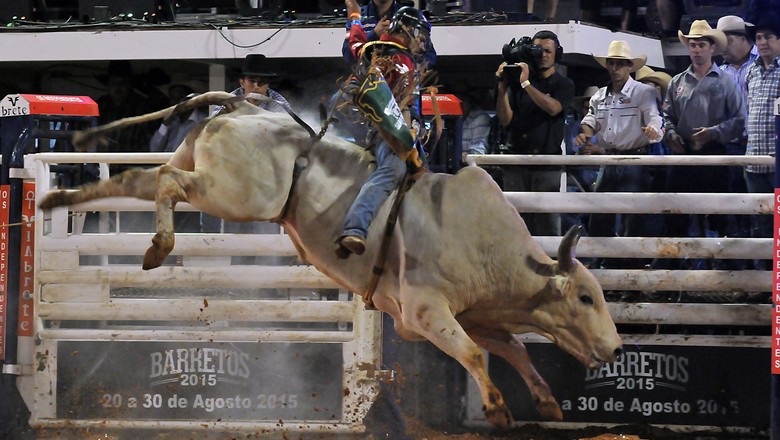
x=462, y=270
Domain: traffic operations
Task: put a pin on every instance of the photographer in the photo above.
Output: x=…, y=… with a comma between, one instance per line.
x=531, y=102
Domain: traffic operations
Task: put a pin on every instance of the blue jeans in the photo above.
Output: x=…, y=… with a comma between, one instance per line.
x=389, y=171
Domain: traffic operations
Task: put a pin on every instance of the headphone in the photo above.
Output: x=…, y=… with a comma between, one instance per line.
x=550, y=35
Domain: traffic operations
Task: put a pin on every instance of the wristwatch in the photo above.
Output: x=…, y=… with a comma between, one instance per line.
x=525, y=84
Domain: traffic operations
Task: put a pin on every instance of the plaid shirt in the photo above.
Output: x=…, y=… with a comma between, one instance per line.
x=277, y=105
x=763, y=88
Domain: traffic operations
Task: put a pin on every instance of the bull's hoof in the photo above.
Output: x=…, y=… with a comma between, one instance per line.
x=499, y=416
x=550, y=410
x=157, y=252
x=54, y=199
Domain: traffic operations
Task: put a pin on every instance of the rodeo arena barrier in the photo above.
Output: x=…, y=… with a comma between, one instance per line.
x=233, y=333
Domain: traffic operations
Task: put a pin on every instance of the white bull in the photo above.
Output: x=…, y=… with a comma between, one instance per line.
x=462, y=269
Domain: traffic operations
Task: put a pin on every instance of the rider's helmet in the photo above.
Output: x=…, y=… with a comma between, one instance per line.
x=411, y=21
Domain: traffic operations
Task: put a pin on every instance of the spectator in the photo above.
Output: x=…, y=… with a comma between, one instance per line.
x=375, y=18
x=406, y=36
x=659, y=81
x=739, y=55
x=703, y=112
x=167, y=138
x=533, y=108
x=655, y=223
x=624, y=115
x=256, y=76
x=763, y=88
x=578, y=178
x=122, y=101
x=476, y=121
x=740, y=51
x=669, y=13
x=549, y=11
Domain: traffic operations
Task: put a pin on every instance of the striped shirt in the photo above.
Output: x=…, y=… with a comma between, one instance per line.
x=763, y=87
x=740, y=75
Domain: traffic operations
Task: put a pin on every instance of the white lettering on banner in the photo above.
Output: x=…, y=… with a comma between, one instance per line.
x=57, y=98
x=658, y=367
x=182, y=361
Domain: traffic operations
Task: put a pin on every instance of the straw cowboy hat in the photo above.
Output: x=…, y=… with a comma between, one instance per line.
x=702, y=29
x=620, y=50
x=660, y=78
x=732, y=23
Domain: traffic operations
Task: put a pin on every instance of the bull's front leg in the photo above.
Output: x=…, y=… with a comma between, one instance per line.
x=169, y=192
x=139, y=183
x=509, y=347
x=426, y=317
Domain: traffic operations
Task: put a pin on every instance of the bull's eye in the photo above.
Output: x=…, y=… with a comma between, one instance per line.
x=586, y=299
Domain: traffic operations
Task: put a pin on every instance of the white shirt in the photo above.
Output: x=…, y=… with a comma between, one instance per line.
x=618, y=118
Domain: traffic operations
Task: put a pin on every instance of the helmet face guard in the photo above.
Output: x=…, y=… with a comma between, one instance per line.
x=412, y=22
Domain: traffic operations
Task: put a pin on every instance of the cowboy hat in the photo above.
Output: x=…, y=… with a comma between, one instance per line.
x=732, y=23
x=182, y=80
x=256, y=64
x=620, y=50
x=660, y=78
x=768, y=21
x=702, y=29
x=590, y=91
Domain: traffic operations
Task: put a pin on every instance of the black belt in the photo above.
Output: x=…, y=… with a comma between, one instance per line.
x=634, y=151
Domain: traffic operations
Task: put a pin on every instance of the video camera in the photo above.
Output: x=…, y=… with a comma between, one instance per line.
x=521, y=51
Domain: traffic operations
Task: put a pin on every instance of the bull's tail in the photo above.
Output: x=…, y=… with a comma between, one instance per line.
x=83, y=140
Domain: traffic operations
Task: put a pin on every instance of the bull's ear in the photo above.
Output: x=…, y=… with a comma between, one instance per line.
x=559, y=284
x=567, y=248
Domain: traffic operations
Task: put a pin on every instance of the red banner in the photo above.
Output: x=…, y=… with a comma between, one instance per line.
x=776, y=289
x=5, y=193
x=26, y=261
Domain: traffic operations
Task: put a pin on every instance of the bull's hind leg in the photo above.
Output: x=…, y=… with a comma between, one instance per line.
x=137, y=182
x=425, y=316
x=513, y=350
x=172, y=187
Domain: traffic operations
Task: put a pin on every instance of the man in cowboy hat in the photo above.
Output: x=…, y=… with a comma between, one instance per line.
x=256, y=77
x=739, y=55
x=763, y=88
x=624, y=115
x=740, y=51
x=658, y=80
x=704, y=111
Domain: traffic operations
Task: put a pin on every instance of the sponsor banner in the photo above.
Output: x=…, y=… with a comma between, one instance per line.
x=199, y=381
x=37, y=104
x=5, y=193
x=655, y=384
x=776, y=288
x=26, y=261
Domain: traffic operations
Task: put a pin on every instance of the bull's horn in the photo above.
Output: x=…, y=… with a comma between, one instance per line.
x=566, y=249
